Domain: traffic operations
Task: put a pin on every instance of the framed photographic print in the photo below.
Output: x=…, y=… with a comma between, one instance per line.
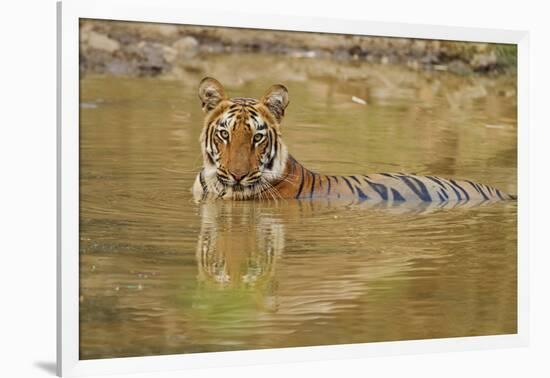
x=239, y=189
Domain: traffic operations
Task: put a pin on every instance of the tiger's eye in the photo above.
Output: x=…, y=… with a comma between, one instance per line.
x=224, y=134
x=258, y=137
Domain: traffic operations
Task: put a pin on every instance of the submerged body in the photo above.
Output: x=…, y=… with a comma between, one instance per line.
x=246, y=159
x=300, y=183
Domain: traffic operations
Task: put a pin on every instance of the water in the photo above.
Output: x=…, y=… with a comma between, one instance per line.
x=161, y=274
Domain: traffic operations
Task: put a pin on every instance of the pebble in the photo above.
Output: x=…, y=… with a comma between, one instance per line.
x=186, y=47
x=459, y=67
x=483, y=61
x=102, y=42
x=358, y=100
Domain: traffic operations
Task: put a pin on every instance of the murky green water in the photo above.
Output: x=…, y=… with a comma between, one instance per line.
x=161, y=274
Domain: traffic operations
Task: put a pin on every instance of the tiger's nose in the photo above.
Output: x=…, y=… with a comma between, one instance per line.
x=238, y=175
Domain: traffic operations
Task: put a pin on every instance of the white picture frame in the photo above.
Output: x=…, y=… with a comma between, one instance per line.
x=164, y=11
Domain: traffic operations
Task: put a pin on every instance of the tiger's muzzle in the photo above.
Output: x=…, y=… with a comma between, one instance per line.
x=239, y=179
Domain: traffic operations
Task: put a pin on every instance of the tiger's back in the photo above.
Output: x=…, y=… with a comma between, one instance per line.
x=383, y=187
x=390, y=187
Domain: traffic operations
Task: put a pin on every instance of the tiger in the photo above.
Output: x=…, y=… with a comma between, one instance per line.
x=245, y=158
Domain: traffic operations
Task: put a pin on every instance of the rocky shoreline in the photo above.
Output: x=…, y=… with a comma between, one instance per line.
x=148, y=49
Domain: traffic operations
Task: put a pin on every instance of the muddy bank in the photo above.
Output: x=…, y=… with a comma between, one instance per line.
x=147, y=49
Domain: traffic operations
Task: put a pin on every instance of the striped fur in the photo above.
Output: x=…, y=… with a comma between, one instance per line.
x=245, y=158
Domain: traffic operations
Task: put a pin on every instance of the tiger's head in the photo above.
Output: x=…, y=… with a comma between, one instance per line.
x=241, y=141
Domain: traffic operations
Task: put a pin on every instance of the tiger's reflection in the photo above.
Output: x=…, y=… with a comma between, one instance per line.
x=240, y=243
x=238, y=248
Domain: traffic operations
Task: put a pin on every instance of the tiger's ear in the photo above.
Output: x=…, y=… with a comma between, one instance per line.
x=211, y=93
x=276, y=100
